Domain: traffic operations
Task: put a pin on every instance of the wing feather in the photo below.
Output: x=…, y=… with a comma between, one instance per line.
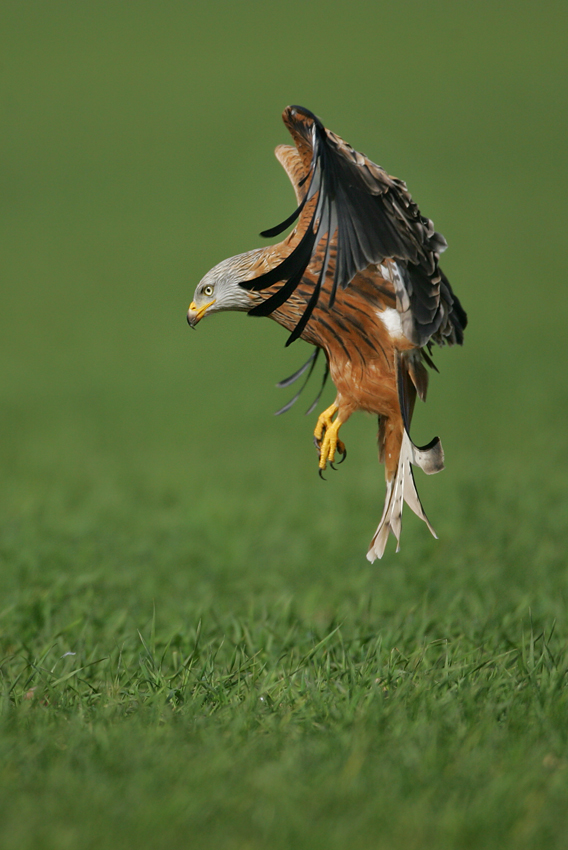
x=372, y=218
x=291, y=162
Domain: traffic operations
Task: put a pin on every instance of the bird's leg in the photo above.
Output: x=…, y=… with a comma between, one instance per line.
x=325, y=436
x=325, y=421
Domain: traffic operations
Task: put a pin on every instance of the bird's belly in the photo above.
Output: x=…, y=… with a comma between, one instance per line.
x=371, y=387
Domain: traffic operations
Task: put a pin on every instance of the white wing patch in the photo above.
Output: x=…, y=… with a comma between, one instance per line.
x=390, y=317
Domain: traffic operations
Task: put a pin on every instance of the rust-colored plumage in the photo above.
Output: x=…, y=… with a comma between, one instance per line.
x=358, y=277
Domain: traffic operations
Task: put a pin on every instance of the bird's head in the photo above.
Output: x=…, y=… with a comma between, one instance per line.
x=220, y=290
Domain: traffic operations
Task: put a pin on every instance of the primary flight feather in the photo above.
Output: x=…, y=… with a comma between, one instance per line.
x=359, y=278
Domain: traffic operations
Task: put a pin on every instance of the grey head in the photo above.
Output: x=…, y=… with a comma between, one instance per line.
x=219, y=290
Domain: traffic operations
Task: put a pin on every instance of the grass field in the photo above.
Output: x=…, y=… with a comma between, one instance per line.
x=194, y=651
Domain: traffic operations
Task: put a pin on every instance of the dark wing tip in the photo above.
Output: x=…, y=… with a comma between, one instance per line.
x=292, y=111
x=298, y=119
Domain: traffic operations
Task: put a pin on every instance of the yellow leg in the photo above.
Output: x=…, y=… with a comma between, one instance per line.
x=325, y=421
x=326, y=438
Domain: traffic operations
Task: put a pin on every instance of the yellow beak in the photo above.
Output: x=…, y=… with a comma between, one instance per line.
x=195, y=313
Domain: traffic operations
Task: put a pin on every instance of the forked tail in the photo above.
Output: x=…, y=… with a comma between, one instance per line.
x=401, y=488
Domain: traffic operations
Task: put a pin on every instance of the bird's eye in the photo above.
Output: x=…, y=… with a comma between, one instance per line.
x=208, y=290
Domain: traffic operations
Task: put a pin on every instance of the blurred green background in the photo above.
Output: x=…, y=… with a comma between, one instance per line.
x=141, y=465
x=137, y=152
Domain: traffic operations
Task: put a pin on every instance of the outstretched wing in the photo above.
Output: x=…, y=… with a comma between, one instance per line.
x=369, y=217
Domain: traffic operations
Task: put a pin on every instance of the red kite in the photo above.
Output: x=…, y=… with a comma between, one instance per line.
x=358, y=277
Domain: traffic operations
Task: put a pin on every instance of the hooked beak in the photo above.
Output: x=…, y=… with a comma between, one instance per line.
x=195, y=313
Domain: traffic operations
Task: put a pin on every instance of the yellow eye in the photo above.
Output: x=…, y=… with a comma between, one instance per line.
x=208, y=290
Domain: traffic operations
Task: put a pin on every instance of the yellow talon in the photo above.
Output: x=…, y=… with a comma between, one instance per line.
x=325, y=421
x=330, y=445
x=326, y=438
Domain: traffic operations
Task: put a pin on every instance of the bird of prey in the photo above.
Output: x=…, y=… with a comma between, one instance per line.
x=358, y=278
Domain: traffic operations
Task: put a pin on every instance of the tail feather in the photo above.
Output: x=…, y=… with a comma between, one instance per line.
x=402, y=488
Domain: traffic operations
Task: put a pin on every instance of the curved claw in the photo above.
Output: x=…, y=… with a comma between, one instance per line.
x=320, y=473
x=343, y=452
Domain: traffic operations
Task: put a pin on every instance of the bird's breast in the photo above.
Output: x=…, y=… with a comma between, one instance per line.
x=359, y=334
